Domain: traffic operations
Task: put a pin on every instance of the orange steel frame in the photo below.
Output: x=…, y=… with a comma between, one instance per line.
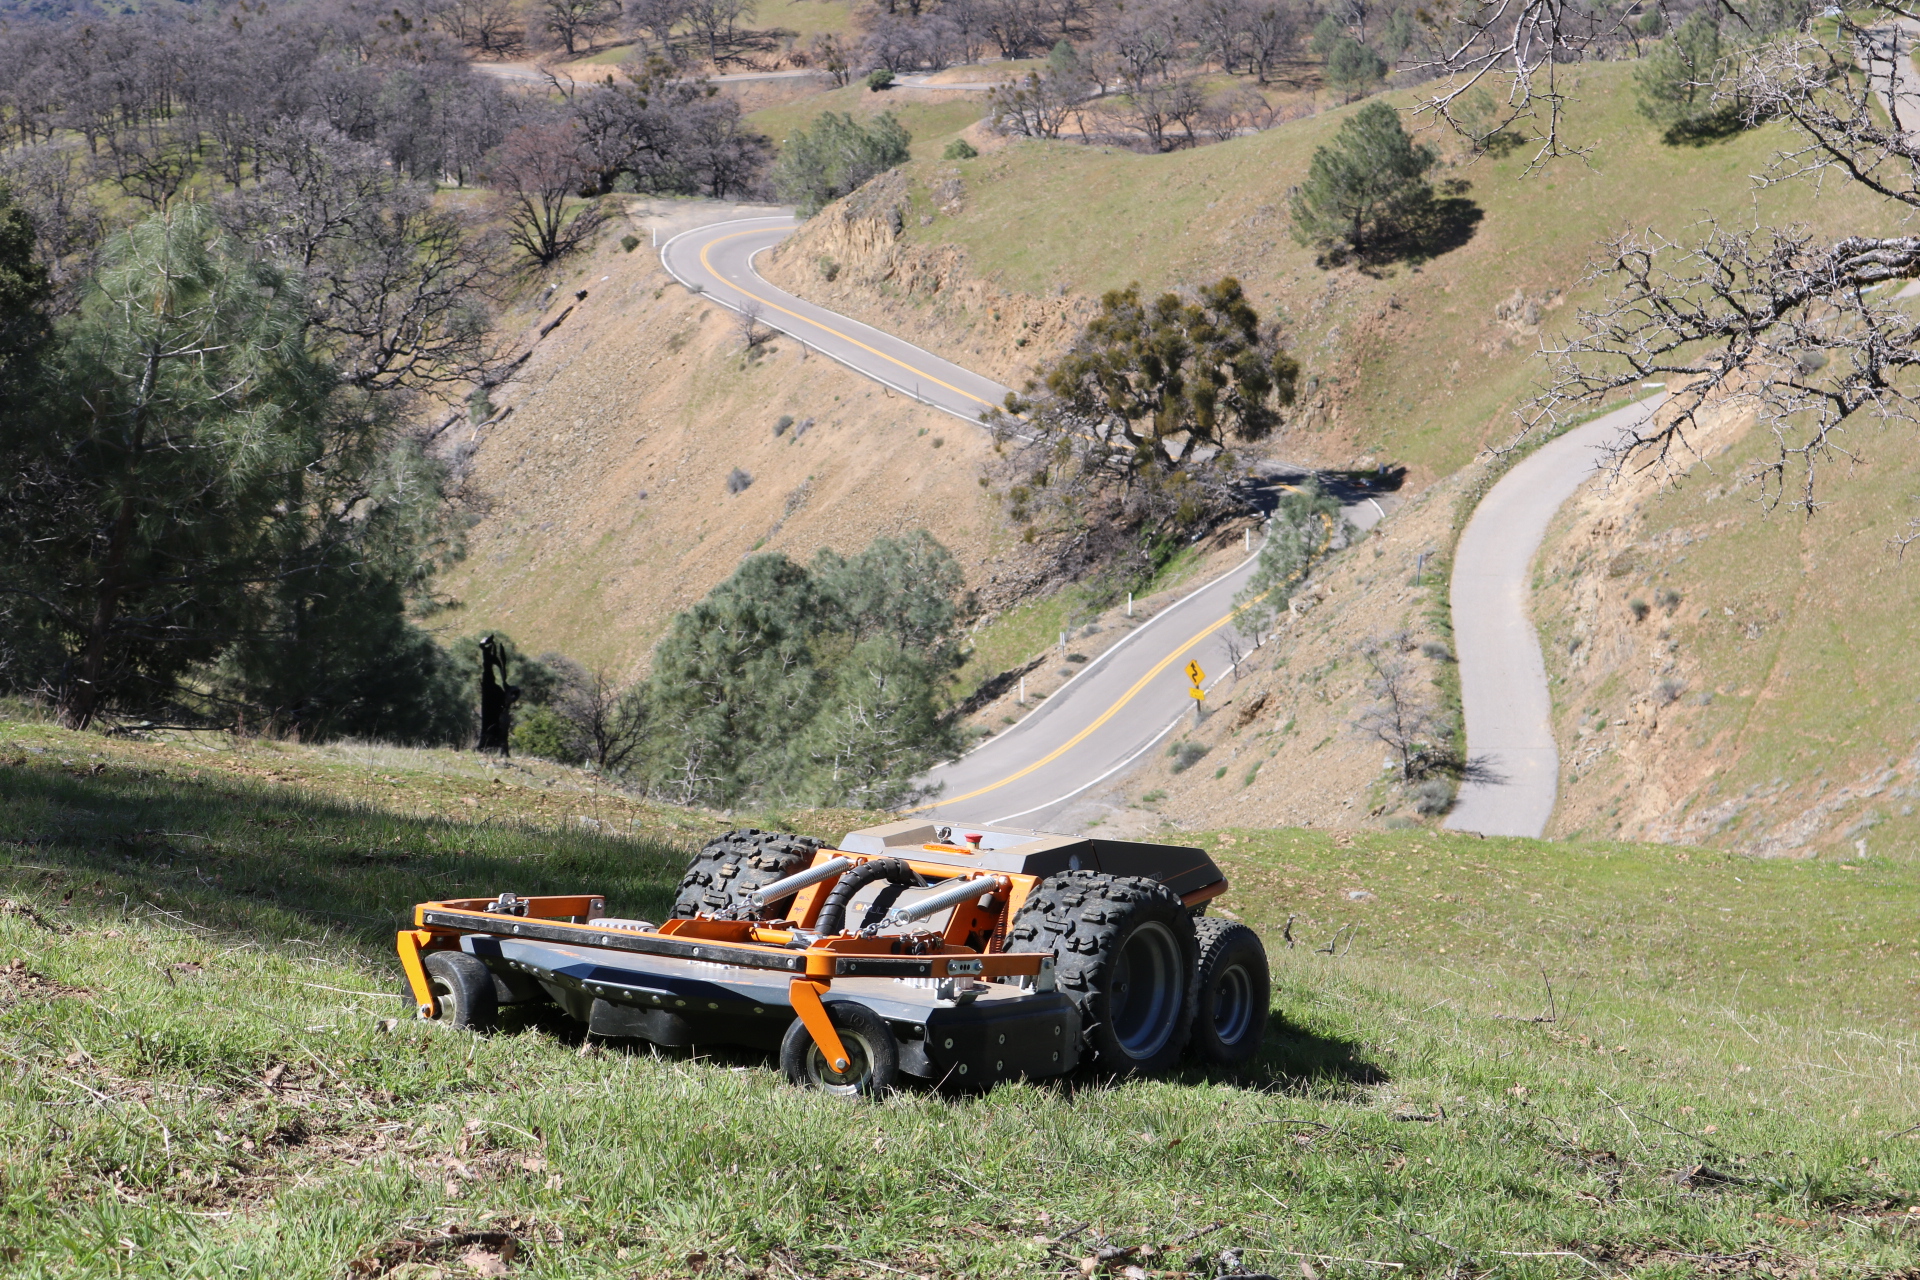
x=975, y=932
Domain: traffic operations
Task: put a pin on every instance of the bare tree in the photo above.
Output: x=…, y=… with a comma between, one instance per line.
x=754, y=334
x=1035, y=107
x=534, y=174
x=396, y=286
x=1401, y=714
x=493, y=28
x=577, y=23
x=606, y=721
x=1801, y=331
x=720, y=27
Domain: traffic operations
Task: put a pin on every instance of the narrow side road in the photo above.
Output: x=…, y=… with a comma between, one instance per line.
x=1503, y=677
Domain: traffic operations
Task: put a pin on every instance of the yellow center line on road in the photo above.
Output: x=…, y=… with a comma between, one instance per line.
x=1081, y=736
x=769, y=302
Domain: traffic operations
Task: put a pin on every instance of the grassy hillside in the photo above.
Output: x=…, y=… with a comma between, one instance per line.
x=1414, y=363
x=211, y=1076
x=934, y=117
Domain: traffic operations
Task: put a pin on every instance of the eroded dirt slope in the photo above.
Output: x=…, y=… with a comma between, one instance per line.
x=1733, y=675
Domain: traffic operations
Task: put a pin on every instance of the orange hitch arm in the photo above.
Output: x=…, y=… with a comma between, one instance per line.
x=805, y=998
x=409, y=944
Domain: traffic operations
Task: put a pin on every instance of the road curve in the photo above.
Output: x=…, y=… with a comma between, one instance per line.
x=717, y=260
x=1503, y=677
x=1117, y=707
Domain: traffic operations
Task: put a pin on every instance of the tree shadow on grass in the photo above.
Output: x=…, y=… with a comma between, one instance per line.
x=270, y=863
x=1444, y=221
x=1707, y=128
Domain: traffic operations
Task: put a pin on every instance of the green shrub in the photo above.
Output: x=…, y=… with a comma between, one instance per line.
x=879, y=78
x=539, y=731
x=629, y=243
x=836, y=155
x=1185, y=755
x=959, y=149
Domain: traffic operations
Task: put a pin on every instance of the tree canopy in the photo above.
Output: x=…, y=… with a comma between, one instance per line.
x=196, y=512
x=1173, y=375
x=821, y=684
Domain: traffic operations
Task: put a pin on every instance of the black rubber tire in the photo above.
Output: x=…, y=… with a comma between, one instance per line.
x=463, y=988
x=874, y=1056
x=1231, y=993
x=727, y=869
x=1124, y=954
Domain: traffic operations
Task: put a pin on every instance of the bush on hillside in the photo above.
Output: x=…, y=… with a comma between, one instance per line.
x=819, y=684
x=879, y=78
x=1306, y=527
x=959, y=149
x=835, y=156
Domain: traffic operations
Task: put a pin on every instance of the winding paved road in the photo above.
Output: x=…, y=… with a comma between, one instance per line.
x=717, y=260
x=1503, y=677
x=1117, y=707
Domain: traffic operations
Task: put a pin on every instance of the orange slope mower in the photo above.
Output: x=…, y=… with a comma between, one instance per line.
x=959, y=955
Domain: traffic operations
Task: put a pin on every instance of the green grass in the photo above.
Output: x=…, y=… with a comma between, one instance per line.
x=931, y=124
x=807, y=18
x=227, y=1096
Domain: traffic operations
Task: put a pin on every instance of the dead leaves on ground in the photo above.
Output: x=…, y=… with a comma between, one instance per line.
x=452, y=1252
x=17, y=982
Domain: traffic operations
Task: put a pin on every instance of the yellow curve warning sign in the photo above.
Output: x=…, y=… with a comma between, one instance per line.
x=1197, y=678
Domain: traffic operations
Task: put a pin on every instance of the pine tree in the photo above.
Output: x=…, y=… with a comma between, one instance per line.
x=1365, y=186
x=835, y=156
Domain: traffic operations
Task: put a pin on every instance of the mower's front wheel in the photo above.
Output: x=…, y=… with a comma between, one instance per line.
x=873, y=1059
x=463, y=988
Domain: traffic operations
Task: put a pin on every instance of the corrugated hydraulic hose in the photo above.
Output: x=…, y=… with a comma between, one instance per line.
x=833, y=912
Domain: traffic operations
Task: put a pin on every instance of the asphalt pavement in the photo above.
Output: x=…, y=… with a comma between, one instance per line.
x=1514, y=776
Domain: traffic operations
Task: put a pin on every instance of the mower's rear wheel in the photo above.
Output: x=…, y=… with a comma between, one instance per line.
x=873, y=1059
x=1124, y=954
x=463, y=988
x=1232, y=992
x=728, y=869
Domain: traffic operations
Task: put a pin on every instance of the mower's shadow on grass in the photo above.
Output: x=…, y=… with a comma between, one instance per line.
x=1291, y=1061
x=267, y=862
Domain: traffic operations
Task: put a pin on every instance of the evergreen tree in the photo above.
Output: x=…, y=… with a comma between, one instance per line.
x=822, y=684
x=835, y=156
x=1365, y=186
x=1306, y=527
x=195, y=514
x=1354, y=68
x=1676, y=81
